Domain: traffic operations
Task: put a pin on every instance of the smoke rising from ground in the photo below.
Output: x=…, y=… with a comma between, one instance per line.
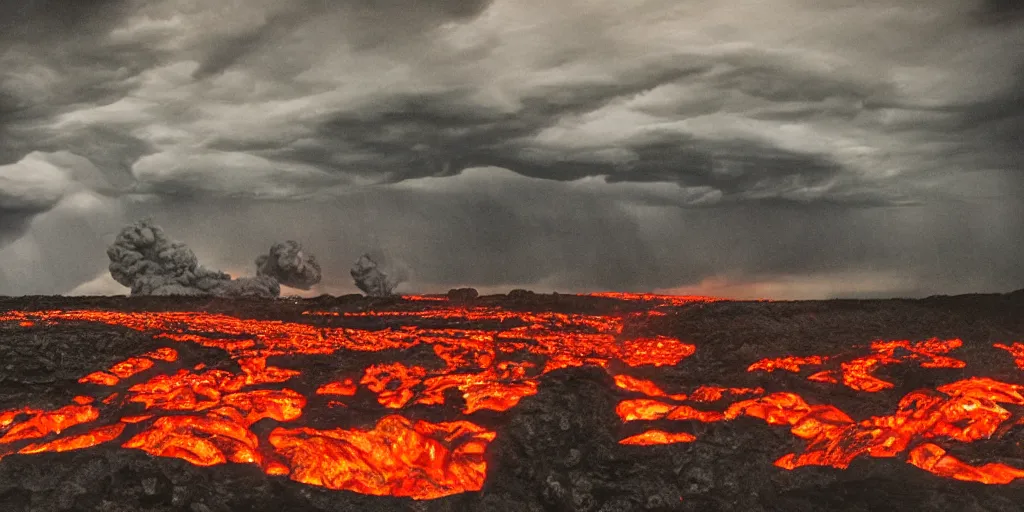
x=377, y=275
x=290, y=265
x=146, y=260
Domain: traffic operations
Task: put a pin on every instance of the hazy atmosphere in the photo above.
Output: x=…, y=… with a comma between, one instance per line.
x=783, y=149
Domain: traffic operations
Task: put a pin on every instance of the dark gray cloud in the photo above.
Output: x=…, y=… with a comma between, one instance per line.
x=144, y=259
x=290, y=265
x=375, y=276
x=1000, y=11
x=661, y=146
x=12, y=223
x=23, y=21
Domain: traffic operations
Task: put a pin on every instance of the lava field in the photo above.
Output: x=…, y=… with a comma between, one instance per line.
x=526, y=402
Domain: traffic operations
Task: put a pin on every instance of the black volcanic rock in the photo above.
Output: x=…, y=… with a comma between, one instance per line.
x=520, y=294
x=462, y=294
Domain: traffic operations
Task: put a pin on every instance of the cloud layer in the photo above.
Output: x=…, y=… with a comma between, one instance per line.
x=582, y=146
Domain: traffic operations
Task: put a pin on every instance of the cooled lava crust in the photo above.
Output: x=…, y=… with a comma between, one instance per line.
x=523, y=403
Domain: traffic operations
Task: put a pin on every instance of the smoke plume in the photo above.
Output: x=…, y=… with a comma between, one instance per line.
x=289, y=265
x=146, y=260
x=377, y=276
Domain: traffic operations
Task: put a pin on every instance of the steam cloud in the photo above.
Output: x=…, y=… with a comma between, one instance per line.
x=146, y=260
x=289, y=265
x=378, y=276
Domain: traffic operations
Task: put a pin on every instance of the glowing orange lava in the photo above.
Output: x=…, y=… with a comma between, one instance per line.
x=130, y=367
x=1016, y=350
x=397, y=457
x=344, y=388
x=964, y=411
x=205, y=415
x=655, y=437
x=857, y=373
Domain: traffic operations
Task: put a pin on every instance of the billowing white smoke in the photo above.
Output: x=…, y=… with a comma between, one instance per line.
x=378, y=276
x=144, y=259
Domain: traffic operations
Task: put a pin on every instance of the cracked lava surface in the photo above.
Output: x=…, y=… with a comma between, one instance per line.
x=150, y=402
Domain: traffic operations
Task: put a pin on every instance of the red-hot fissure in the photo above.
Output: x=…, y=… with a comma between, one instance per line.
x=204, y=416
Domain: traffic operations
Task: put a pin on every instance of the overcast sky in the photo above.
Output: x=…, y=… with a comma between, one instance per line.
x=740, y=148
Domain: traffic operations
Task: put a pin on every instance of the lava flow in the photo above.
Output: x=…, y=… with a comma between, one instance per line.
x=857, y=373
x=153, y=403
x=204, y=416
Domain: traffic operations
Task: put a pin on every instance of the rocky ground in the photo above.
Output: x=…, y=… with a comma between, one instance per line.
x=557, y=450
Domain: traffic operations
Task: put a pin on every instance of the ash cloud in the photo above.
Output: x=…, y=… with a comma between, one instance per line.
x=377, y=275
x=146, y=260
x=290, y=265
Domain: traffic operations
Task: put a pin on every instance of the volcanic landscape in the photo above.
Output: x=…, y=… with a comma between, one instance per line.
x=519, y=402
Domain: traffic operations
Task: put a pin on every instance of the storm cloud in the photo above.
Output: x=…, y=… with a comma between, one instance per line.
x=792, y=148
x=376, y=276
